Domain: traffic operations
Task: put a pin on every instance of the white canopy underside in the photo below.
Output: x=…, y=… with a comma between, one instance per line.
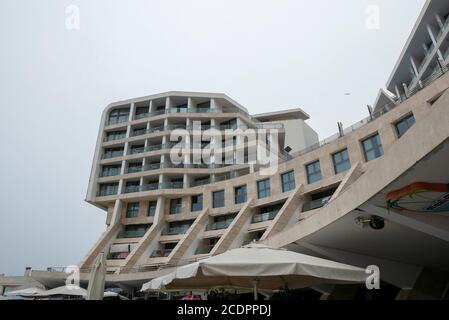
x=272, y=269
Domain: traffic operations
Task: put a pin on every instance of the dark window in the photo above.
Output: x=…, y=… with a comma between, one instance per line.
x=288, y=181
x=132, y=210
x=175, y=206
x=197, y=203
x=341, y=161
x=118, y=116
x=405, y=124
x=313, y=172
x=132, y=186
x=137, y=149
x=142, y=110
x=240, y=194
x=263, y=188
x=372, y=148
x=218, y=199
x=134, y=167
x=152, y=208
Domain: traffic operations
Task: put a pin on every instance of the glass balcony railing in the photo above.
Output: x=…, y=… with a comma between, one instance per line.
x=264, y=217
x=174, y=231
x=108, y=192
x=315, y=204
x=134, y=169
x=117, y=120
x=110, y=173
x=220, y=225
x=115, y=154
x=131, y=234
x=137, y=150
x=161, y=253
x=204, y=250
x=114, y=137
x=132, y=188
x=117, y=255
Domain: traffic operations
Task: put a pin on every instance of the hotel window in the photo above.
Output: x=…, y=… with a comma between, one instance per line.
x=132, y=210
x=175, y=206
x=197, y=203
x=108, y=189
x=152, y=208
x=109, y=171
x=115, y=135
x=341, y=161
x=313, y=171
x=288, y=181
x=218, y=199
x=263, y=188
x=240, y=194
x=403, y=125
x=118, y=116
x=113, y=152
x=372, y=148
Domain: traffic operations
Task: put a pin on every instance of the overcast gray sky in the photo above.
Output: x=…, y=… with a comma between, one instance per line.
x=55, y=82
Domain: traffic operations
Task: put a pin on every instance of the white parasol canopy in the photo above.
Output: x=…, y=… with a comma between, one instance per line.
x=68, y=290
x=258, y=267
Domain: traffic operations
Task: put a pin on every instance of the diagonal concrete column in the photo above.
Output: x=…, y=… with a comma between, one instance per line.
x=234, y=229
x=284, y=215
x=182, y=246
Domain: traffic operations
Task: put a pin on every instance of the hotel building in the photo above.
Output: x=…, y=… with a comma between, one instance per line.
x=375, y=193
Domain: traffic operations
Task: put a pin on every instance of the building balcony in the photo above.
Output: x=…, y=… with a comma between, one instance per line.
x=264, y=217
x=125, y=234
x=132, y=188
x=108, y=192
x=204, y=250
x=134, y=169
x=110, y=155
x=220, y=225
x=116, y=121
x=175, y=231
x=110, y=173
x=161, y=253
x=117, y=255
x=114, y=137
x=315, y=204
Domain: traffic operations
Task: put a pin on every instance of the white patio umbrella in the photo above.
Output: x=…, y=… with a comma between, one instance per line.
x=27, y=292
x=68, y=290
x=95, y=289
x=258, y=267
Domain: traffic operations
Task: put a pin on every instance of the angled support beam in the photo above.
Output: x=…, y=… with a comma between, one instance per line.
x=284, y=215
x=105, y=238
x=353, y=174
x=234, y=229
x=180, y=249
x=149, y=236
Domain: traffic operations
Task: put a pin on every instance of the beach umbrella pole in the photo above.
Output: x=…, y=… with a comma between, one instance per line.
x=255, y=289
